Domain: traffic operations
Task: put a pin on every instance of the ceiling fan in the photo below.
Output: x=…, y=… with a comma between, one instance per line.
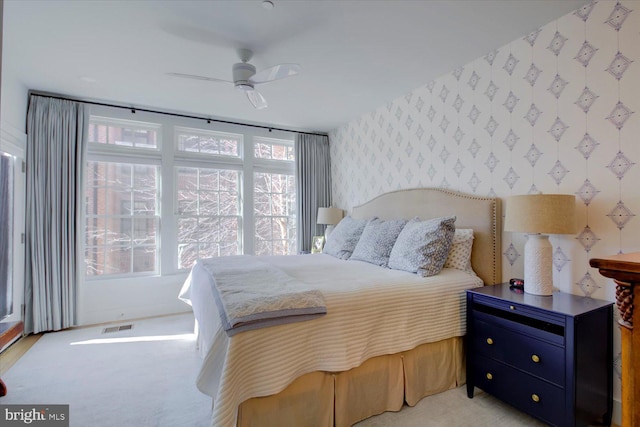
x=245, y=77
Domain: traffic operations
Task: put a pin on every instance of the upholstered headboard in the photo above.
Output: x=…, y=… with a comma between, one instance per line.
x=482, y=214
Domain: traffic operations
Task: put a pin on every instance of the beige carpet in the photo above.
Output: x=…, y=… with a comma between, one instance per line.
x=145, y=377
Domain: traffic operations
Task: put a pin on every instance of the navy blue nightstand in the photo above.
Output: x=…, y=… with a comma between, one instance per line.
x=549, y=356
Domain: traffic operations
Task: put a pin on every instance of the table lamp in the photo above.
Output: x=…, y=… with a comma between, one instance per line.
x=539, y=215
x=329, y=217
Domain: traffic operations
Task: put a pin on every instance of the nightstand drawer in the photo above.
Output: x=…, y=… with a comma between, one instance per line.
x=522, y=309
x=537, y=397
x=539, y=328
x=538, y=358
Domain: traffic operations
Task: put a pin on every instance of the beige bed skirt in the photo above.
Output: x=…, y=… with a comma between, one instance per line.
x=341, y=399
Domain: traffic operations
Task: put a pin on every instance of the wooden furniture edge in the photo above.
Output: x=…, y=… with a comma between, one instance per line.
x=624, y=269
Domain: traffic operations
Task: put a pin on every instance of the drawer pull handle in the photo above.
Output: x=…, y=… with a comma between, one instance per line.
x=489, y=376
x=535, y=398
x=512, y=307
x=535, y=358
x=489, y=341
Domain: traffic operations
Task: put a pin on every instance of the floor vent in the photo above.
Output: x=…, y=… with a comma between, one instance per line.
x=117, y=328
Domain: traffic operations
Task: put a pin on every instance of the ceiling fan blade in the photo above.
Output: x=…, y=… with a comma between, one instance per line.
x=276, y=72
x=256, y=99
x=192, y=76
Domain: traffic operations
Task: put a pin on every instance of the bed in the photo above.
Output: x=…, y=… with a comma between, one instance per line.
x=373, y=351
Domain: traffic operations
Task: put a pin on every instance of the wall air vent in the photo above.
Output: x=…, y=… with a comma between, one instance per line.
x=117, y=328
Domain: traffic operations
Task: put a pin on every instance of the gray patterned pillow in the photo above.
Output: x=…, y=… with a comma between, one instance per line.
x=377, y=240
x=344, y=238
x=423, y=246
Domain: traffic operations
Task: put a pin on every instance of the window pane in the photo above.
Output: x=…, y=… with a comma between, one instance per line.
x=208, y=205
x=187, y=255
x=144, y=259
x=127, y=134
x=273, y=149
x=208, y=142
x=208, y=229
x=263, y=228
x=227, y=249
x=262, y=204
x=274, y=210
x=229, y=181
x=208, y=251
x=263, y=247
x=121, y=205
x=144, y=231
x=229, y=231
x=209, y=180
x=187, y=230
x=117, y=260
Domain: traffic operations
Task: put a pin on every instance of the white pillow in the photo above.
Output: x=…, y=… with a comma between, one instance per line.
x=460, y=253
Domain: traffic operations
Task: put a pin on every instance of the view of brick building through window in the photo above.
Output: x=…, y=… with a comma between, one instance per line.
x=121, y=207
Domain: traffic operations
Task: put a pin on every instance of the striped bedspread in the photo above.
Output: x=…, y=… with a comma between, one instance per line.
x=252, y=294
x=371, y=311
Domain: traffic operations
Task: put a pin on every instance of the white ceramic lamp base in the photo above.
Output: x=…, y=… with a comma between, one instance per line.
x=538, y=260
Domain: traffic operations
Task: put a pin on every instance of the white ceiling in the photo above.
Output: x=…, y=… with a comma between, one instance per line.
x=355, y=55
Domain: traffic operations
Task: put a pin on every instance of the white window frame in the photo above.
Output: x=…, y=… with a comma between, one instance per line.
x=132, y=217
x=169, y=158
x=272, y=166
x=111, y=153
x=239, y=210
x=13, y=142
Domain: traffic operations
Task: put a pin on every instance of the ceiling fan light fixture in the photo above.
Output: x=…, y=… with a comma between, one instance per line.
x=245, y=77
x=267, y=5
x=242, y=72
x=243, y=87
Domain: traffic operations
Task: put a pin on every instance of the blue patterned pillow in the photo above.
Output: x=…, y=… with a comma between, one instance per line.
x=423, y=246
x=344, y=238
x=377, y=240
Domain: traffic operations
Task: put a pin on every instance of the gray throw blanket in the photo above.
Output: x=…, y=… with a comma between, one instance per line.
x=252, y=294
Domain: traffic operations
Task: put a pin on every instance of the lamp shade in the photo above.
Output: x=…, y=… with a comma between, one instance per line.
x=330, y=216
x=541, y=213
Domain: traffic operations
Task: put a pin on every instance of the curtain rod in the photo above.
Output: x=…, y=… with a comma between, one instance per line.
x=186, y=116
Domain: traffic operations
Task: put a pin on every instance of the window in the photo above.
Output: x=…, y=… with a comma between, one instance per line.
x=273, y=149
x=122, y=198
x=122, y=133
x=163, y=191
x=207, y=142
x=275, y=220
x=274, y=195
x=121, y=232
x=208, y=203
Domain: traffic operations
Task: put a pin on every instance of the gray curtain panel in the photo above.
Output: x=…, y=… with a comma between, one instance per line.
x=55, y=164
x=313, y=179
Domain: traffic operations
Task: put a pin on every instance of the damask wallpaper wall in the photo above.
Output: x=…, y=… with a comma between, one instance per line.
x=556, y=111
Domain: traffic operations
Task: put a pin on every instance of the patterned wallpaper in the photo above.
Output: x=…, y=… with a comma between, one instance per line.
x=556, y=111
